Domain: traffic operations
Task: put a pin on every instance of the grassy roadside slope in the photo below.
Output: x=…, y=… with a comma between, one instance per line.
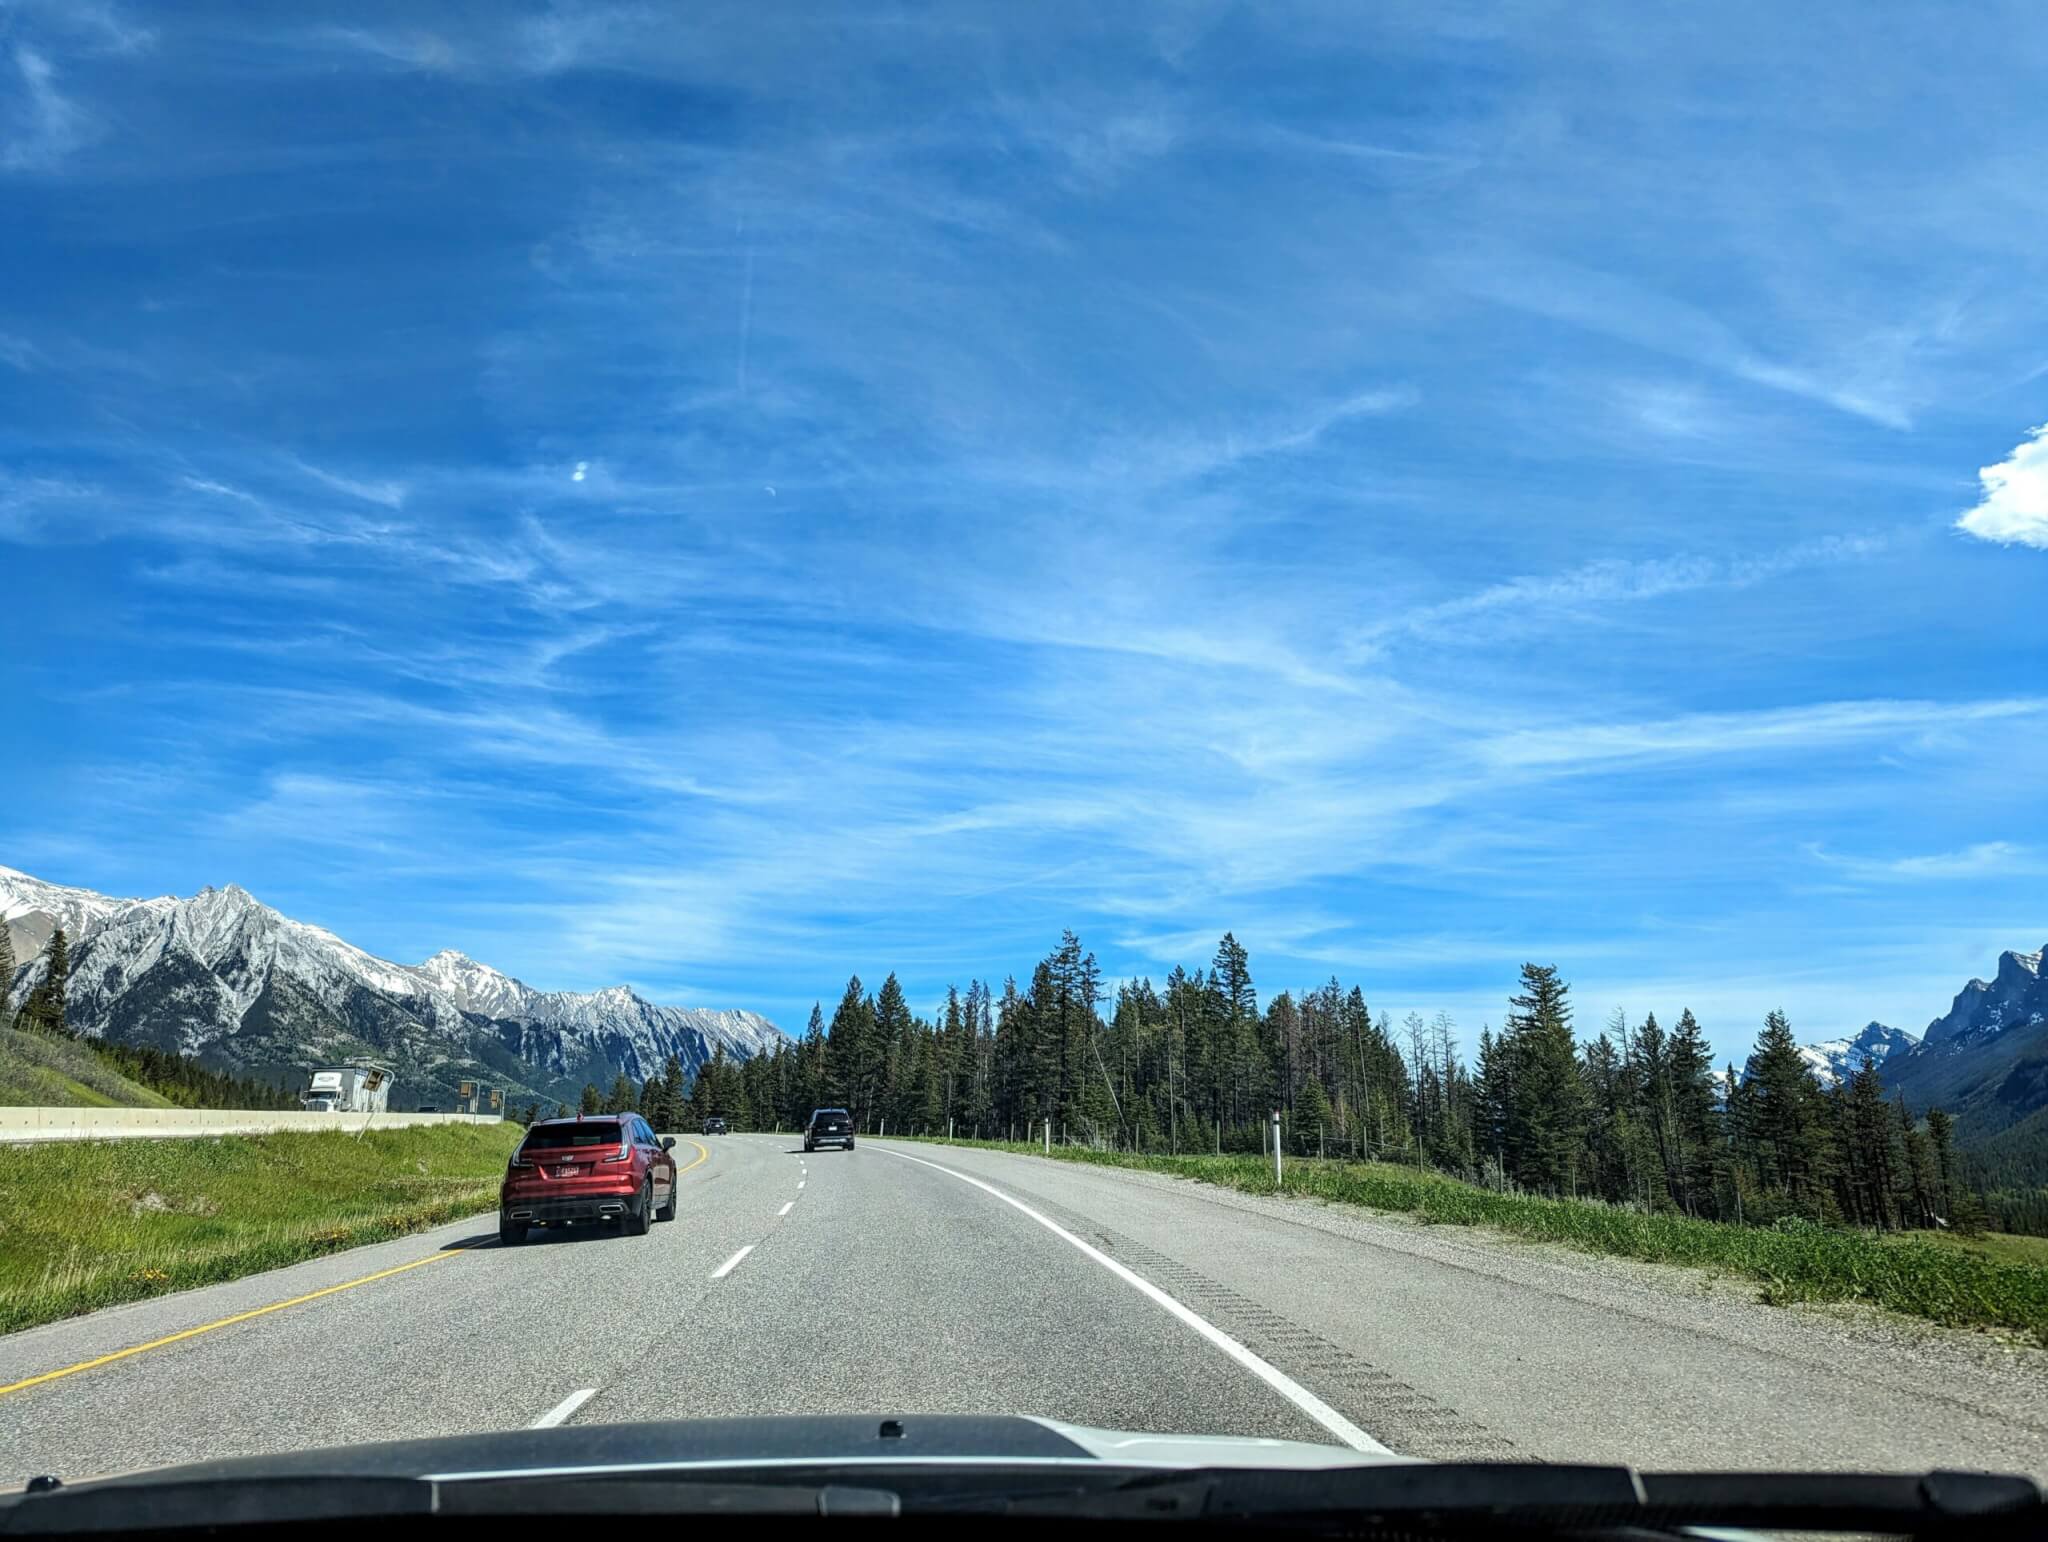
x=1957, y=1285
x=41, y=1072
x=87, y=1224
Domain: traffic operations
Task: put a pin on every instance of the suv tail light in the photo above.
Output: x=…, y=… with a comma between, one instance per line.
x=623, y=1154
x=520, y=1159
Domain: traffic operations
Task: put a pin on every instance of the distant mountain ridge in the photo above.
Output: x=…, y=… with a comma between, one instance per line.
x=224, y=977
x=1986, y=1059
x=1836, y=1060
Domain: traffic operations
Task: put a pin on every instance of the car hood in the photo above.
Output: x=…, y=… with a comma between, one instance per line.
x=784, y=1441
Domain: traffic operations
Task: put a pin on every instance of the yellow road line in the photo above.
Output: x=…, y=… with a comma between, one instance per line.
x=703, y=1155
x=225, y=1322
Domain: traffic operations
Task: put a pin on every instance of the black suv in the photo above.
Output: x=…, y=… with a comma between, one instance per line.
x=714, y=1126
x=829, y=1127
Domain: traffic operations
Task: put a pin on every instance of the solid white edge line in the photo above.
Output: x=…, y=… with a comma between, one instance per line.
x=731, y=1263
x=1267, y=1372
x=559, y=1414
x=787, y=1208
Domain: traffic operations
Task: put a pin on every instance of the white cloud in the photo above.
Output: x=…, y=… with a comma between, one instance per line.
x=2015, y=506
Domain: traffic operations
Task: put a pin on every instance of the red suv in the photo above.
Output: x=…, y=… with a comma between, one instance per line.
x=607, y=1167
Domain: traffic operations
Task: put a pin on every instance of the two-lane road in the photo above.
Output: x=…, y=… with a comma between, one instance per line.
x=922, y=1278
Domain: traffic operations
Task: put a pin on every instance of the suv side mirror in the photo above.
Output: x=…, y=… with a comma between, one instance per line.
x=668, y=1143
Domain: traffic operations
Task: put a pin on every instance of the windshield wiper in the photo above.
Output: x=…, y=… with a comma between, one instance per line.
x=220, y=1503
x=1550, y=1498
x=1416, y=1499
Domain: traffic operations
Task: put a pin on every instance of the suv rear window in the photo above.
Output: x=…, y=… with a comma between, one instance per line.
x=551, y=1137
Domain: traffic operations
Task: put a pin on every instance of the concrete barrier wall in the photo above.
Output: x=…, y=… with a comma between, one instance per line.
x=23, y=1124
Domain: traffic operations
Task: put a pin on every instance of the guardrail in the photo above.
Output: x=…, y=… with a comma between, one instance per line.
x=26, y=1124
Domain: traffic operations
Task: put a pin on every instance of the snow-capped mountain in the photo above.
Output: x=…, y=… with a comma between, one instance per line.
x=224, y=976
x=1838, y=1059
x=1985, y=1060
x=2015, y=996
x=31, y=909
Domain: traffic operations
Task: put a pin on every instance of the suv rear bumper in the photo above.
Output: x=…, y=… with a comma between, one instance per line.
x=592, y=1207
x=587, y=1201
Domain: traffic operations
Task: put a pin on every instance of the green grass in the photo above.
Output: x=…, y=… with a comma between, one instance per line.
x=2002, y=1246
x=86, y=1224
x=41, y=1072
x=1993, y=1282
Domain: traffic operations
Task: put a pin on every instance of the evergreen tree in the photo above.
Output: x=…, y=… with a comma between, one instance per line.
x=6, y=972
x=1695, y=1138
x=1312, y=1115
x=1941, y=1146
x=892, y=1030
x=849, y=1052
x=1783, y=1123
x=1917, y=1183
x=622, y=1099
x=669, y=1102
x=593, y=1100
x=1493, y=1103
x=43, y=1011
x=1549, y=1114
x=1865, y=1163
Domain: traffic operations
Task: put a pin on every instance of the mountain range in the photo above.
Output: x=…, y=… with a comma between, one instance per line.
x=226, y=978
x=1986, y=1059
x=1835, y=1060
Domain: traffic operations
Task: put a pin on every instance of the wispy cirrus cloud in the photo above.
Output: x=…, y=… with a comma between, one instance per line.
x=1534, y=602
x=1623, y=308
x=44, y=120
x=871, y=490
x=1984, y=859
x=1777, y=730
x=42, y=123
x=389, y=494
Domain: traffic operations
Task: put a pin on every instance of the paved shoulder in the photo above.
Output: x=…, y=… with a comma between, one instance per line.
x=1443, y=1342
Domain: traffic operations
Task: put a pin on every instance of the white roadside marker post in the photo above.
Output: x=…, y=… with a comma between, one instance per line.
x=1276, y=1149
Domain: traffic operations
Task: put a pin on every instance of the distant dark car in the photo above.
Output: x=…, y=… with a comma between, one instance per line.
x=829, y=1127
x=609, y=1168
x=714, y=1126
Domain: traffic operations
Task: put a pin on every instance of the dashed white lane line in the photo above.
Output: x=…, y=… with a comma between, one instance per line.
x=787, y=1208
x=800, y=1183
x=1267, y=1372
x=561, y=1411
x=731, y=1263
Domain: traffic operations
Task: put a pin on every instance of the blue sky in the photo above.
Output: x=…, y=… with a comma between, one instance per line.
x=726, y=496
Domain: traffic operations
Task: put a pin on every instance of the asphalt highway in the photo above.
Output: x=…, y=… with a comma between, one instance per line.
x=911, y=1277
